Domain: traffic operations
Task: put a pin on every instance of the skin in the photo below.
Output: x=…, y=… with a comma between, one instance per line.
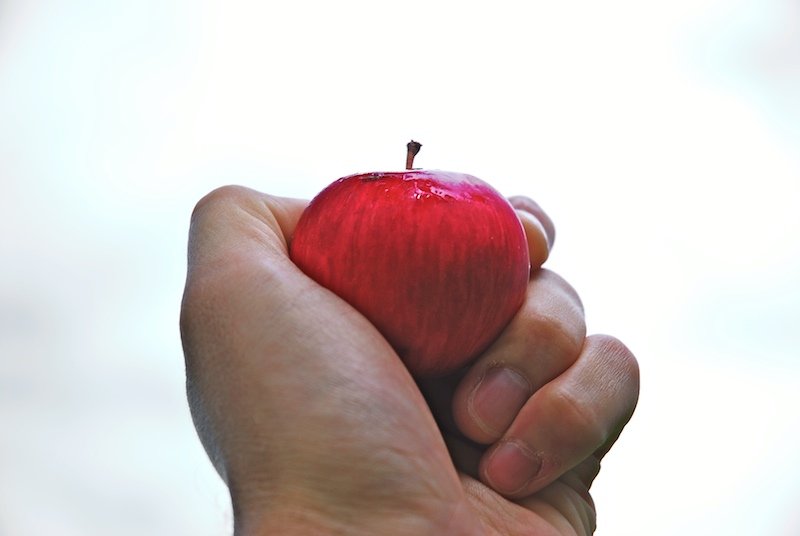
x=317, y=427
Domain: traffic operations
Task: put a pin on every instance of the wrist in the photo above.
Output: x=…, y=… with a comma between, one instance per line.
x=298, y=520
x=296, y=523
x=288, y=522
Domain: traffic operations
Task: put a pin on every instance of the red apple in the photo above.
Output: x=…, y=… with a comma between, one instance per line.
x=437, y=261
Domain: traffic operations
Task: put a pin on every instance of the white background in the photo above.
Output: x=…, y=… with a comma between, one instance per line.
x=662, y=138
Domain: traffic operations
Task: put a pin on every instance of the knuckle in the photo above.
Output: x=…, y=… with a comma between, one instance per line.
x=204, y=320
x=221, y=197
x=552, y=333
x=579, y=421
x=622, y=373
x=625, y=364
x=572, y=296
x=563, y=289
x=521, y=202
x=195, y=298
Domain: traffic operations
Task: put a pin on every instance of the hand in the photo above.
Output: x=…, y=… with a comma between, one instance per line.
x=317, y=428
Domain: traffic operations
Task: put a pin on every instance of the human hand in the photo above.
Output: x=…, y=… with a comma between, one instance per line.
x=316, y=426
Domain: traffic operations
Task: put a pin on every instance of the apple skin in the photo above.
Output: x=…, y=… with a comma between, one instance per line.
x=437, y=261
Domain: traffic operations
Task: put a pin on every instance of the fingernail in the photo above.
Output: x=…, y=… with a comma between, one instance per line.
x=497, y=399
x=511, y=467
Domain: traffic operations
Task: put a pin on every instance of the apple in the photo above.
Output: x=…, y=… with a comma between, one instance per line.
x=437, y=261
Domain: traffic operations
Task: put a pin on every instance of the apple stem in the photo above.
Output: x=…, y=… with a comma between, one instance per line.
x=413, y=149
